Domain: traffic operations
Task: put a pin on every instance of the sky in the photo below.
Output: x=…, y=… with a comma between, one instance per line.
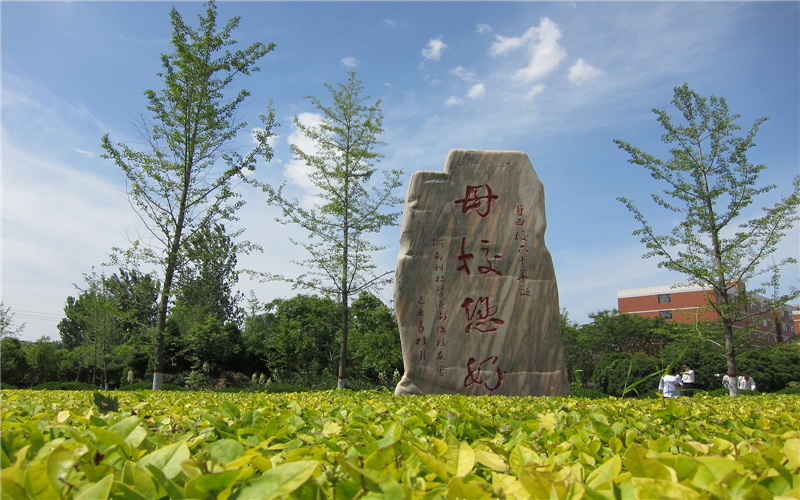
x=558, y=81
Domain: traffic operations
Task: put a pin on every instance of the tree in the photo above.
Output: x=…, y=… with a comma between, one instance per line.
x=92, y=325
x=340, y=262
x=182, y=181
x=711, y=183
x=375, y=338
x=42, y=360
x=611, y=332
x=14, y=366
x=296, y=338
x=773, y=367
x=7, y=327
x=205, y=285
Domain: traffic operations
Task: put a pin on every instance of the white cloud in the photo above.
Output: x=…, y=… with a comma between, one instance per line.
x=476, y=91
x=544, y=51
x=350, y=62
x=296, y=171
x=84, y=152
x=581, y=72
x=390, y=22
x=467, y=76
x=453, y=101
x=484, y=28
x=430, y=80
x=434, y=49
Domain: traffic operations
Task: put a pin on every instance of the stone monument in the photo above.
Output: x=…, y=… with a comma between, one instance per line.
x=475, y=290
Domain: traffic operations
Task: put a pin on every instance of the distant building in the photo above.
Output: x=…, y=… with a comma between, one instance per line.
x=689, y=303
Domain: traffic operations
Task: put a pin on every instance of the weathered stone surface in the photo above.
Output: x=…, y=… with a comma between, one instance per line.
x=475, y=289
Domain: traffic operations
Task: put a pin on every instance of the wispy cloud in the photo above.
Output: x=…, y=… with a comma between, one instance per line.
x=433, y=51
x=581, y=72
x=453, y=101
x=390, y=23
x=54, y=214
x=467, y=76
x=84, y=152
x=534, y=91
x=484, y=28
x=544, y=51
x=350, y=62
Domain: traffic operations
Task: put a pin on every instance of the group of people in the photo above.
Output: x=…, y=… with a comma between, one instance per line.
x=744, y=383
x=673, y=385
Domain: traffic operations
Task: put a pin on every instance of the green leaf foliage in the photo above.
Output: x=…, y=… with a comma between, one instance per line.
x=160, y=445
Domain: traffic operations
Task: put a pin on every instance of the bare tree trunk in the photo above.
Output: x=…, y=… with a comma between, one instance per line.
x=345, y=290
x=343, y=349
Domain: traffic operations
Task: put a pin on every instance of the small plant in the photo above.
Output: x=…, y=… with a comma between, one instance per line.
x=105, y=403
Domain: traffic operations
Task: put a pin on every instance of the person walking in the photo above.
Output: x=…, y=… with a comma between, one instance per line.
x=669, y=385
x=746, y=382
x=687, y=380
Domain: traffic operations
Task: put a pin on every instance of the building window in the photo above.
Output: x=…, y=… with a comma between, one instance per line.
x=763, y=308
x=664, y=298
x=784, y=328
x=766, y=323
x=665, y=314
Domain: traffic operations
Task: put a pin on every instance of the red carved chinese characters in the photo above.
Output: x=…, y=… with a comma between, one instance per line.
x=475, y=374
x=485, y=313
x=472, y=201
x=465, y=257
x=522, y=250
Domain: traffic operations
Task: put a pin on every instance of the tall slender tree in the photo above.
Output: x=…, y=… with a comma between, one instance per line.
x=340, y=263
x=182, y=181
x=711, y=184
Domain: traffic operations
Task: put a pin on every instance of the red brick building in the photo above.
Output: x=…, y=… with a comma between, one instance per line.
x=689, y=303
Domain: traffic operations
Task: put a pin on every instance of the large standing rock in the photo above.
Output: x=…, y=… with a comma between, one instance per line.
x=475, y=289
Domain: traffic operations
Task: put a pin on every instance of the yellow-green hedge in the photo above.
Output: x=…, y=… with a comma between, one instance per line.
x=343, y=445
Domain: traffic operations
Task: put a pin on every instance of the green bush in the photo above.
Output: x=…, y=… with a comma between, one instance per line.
x=6, y=387
x=617, y=369
x=232, y=389
x=724, y=392
x=277, y=388
x=772, y=367
x=651, y=394
x=144, y=386
x=789, y=390
x=65, y=386
x=583, y=392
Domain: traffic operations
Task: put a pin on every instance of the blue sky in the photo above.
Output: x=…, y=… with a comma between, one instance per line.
x=558, y=81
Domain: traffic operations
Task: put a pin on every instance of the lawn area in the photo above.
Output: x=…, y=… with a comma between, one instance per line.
x=347, y=445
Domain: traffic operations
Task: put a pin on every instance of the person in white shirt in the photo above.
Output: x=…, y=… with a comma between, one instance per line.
x=729, y=381
x=687, y=380
x=746, y=382
x=669, y=384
